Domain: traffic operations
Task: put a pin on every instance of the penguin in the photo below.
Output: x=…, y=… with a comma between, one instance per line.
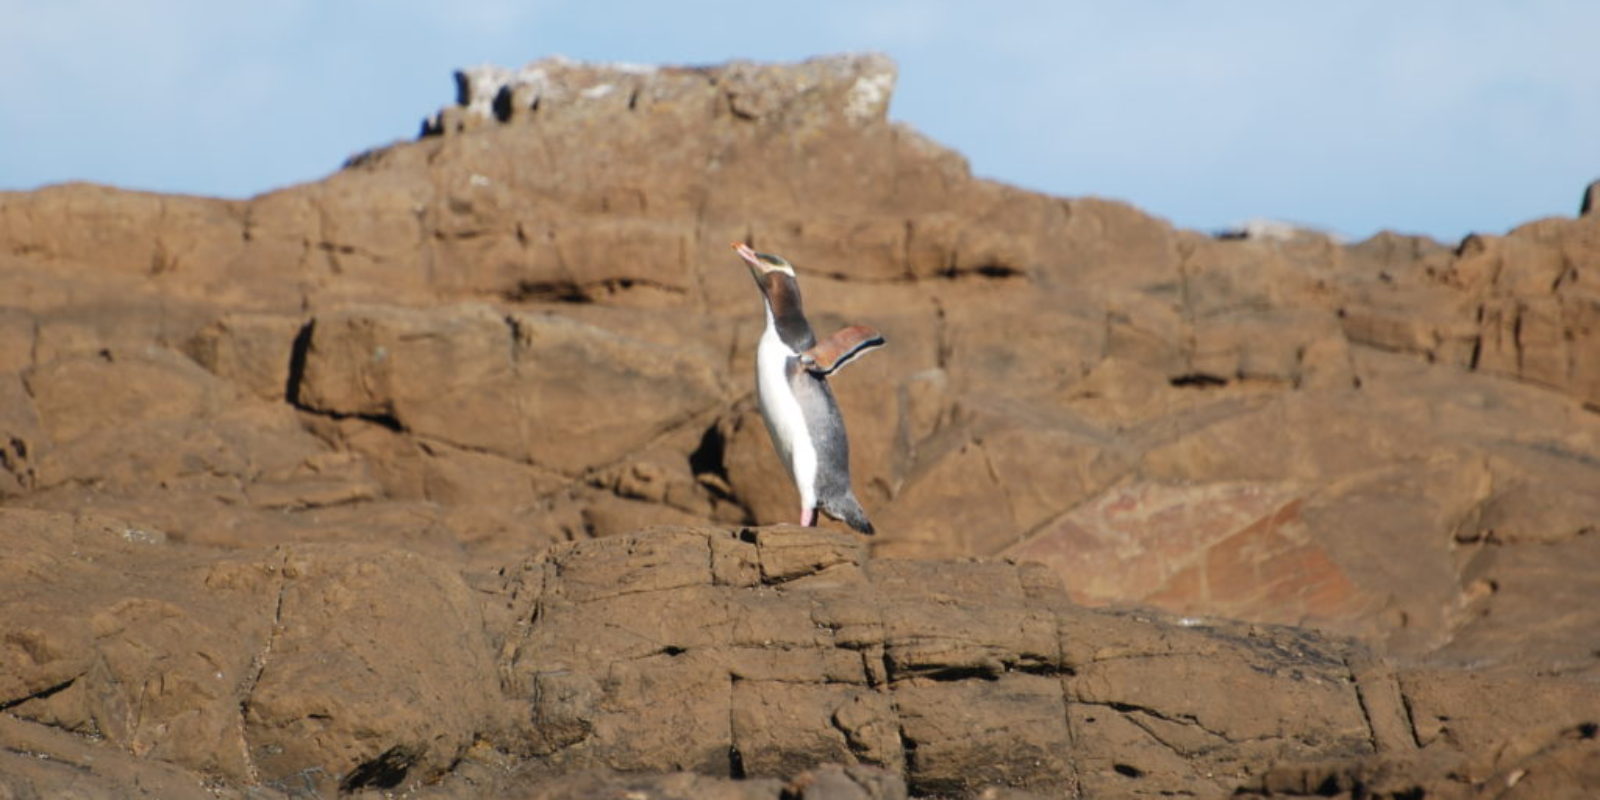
x=792, y=369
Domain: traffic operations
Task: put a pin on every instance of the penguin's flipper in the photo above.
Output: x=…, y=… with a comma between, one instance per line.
x=831, y=354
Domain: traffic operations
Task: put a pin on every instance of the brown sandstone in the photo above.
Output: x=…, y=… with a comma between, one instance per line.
x=442, y=475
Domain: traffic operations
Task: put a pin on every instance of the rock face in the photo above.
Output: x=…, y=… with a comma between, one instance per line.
x=442, y=472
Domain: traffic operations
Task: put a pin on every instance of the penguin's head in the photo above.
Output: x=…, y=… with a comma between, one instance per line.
x=779, y=290
x=774, y=275
x=762, y=264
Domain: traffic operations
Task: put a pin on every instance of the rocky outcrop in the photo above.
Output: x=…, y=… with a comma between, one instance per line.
x=851, y=89
x=745, y=653
x=386, y=443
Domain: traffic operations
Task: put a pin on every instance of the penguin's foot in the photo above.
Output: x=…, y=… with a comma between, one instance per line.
x=846, y=509
x=808, y=517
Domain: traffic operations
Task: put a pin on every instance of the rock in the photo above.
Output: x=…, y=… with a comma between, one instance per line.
x=1553, y=760
x=510, y=377
x=979, y=485
x=255, y=351
x=1239, y=549
x=332, y=689
x=150, y=653
x=256, y=668
x=22, y=441
x=17, y=332
x=88, y=394
x=856, y=88
x=855, y=782
x=40, y=761
x=527, y=785
x=906, y=670
x=487, y=396
x=1160, y=739
x=764, y=653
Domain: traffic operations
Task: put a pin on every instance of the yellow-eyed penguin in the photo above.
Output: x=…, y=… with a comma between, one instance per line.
x=792, y=368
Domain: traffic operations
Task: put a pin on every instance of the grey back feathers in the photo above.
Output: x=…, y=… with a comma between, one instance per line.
x=834, y=494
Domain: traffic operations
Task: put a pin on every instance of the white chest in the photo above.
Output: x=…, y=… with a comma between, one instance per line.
x=781, y=410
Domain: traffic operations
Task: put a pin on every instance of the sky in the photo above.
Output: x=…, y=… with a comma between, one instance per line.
x=1431, y=117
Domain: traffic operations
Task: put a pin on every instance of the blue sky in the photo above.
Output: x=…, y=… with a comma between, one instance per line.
x=1429, y=117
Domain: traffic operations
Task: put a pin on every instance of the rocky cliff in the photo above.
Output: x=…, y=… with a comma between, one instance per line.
x=442, y=475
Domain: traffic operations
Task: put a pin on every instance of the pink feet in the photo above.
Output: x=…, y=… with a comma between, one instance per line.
x=808, y=517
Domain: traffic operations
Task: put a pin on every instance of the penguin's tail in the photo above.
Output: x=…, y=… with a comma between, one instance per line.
x=848, y=510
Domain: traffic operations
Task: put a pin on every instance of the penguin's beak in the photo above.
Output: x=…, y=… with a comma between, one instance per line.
x=757, y=268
